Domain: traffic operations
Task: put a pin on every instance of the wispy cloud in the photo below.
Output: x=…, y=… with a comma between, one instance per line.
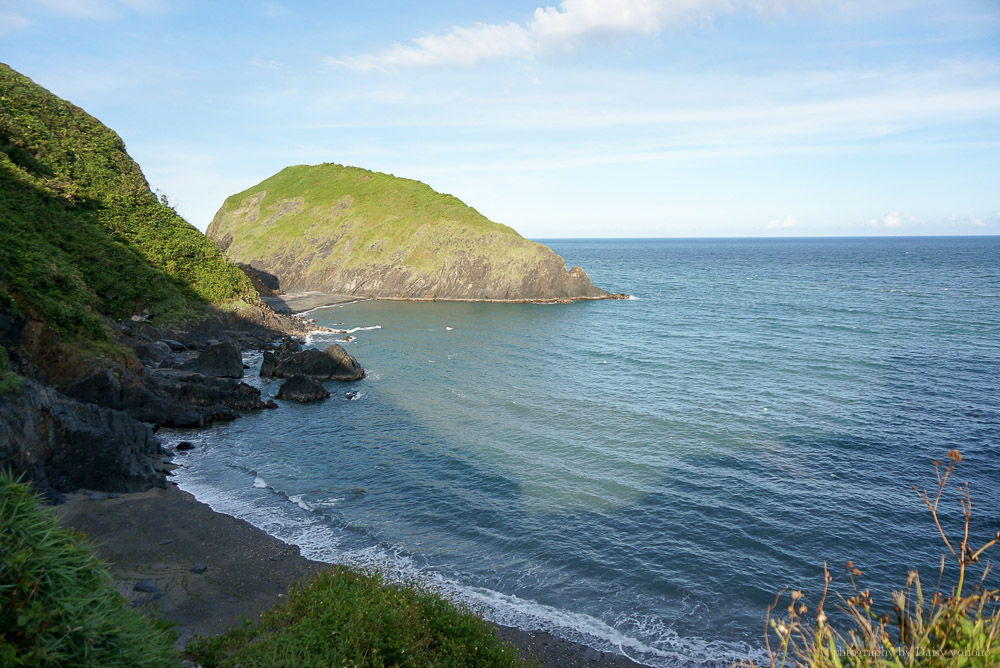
x=12, y=21
x=788, y=223
x=970, y=220
x=101, y=9
x=264, y=64
x=554, y=29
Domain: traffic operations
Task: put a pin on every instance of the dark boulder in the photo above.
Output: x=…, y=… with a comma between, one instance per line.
x=154, y=354
x=302, y=388
x=101, y=387
x=62, y=444
x=175, y=346
x=223, y=360
x=334, y=363
x=268, y=363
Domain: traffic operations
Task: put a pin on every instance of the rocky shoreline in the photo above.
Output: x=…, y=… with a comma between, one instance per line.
x=89, y=444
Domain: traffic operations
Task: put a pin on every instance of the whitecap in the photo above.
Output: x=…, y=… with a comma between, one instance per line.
x=259, y=482
x=297, y=500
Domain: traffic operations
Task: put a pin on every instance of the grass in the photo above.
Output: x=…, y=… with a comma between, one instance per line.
x=347, y=218
x=349, y=618
x=82, y=237
x=957, y=627
x=58, y=606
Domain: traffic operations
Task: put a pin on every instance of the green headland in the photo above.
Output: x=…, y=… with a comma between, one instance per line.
x=346, y=230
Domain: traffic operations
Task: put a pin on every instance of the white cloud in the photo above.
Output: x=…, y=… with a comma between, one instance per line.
x=891, y=220
x=970, y=220
x=264, y=64
x=554, y=29
x=788, y=223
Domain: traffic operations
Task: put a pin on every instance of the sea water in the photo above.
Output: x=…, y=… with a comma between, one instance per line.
x=644, y=475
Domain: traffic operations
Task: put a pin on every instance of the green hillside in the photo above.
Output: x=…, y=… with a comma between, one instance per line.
x=81, y=234
x=344, y=229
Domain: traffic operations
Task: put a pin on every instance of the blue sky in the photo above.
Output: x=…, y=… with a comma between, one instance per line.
x=589, y=118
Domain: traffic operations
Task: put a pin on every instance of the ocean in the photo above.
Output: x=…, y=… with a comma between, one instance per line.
x=645, y=475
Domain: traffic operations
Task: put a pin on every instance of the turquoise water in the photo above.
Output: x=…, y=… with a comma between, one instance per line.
x=644, y=475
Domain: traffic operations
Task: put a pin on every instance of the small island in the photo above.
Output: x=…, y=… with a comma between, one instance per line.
x=349, y=231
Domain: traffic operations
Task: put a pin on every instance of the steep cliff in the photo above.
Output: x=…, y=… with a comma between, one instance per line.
x=93, y=268
x=347, y=230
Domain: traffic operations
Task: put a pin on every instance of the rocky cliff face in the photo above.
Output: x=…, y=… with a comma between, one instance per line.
x=346, y=230
x=62, y=444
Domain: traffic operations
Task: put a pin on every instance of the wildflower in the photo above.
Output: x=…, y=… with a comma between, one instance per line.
x=954, y=456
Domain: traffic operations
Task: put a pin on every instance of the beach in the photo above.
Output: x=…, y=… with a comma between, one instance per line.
x=158, y=540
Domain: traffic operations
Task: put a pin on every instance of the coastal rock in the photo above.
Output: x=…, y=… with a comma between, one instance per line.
x=186, y=398
x=303, y=389
x=334, y=363
x=154, y=354
x=175, y=346
x=101, y=387
x=220, y=359
x=62, y=444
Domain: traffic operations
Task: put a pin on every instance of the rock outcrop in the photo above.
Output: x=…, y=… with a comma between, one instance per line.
x=220, y=359
x=62, y=444
x=334, y=363
x=302, y=389
x=346, y=230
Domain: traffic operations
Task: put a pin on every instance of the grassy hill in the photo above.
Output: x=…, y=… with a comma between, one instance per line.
x=81, y=234
x=349, y=230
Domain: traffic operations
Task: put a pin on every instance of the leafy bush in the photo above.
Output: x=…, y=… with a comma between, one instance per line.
x=954, y=628
x=58, y=606
x=349, y=618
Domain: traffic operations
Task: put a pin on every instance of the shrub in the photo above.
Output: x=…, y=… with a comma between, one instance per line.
x=9, y=381
x=58, y=606
x=953, y=628
x=350, y=618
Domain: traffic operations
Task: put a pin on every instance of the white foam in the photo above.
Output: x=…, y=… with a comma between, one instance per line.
x=631, y=298
x=318, y=541
x=297, y=500
x=259, y=483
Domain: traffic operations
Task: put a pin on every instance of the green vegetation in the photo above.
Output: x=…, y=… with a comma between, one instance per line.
x=58, y=606
x=336, y=228
x=9, y=381
x=81, y=235
x=957, y=628
x=347, y=618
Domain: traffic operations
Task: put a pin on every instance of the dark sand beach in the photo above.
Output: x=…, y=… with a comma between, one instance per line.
x=164, y=536
x=305, y=301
